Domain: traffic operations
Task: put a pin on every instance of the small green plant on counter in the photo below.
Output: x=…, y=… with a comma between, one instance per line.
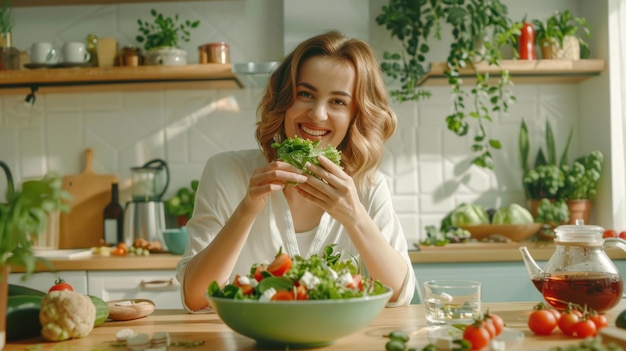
x=182, y=204
x=24, y=216
x=164, y=31
x=581, y=178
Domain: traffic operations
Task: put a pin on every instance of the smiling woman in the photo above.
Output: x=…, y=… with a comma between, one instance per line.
x=328, y=95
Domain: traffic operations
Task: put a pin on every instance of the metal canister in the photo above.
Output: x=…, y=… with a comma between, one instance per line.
x=214, y=53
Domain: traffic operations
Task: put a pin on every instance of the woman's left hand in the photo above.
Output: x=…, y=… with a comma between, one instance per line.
x=335, y=192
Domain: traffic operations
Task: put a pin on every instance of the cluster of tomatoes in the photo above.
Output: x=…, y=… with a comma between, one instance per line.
x=573, y=321
x=612, y=233
x=277, y=268
x=485, y=328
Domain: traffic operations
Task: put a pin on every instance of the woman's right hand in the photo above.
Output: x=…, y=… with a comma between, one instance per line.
x=269, y=178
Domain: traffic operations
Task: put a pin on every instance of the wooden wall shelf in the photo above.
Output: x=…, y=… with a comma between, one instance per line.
x=25, y=3
x=82, y=79
x=523, y=72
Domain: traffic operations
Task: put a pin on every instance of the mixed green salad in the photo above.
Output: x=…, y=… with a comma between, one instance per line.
x=296, y=278
x=298, y=151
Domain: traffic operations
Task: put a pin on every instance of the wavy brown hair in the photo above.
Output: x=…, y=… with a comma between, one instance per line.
x=373, y=122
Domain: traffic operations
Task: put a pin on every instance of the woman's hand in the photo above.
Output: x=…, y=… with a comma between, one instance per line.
x=335, y=192
x=267, y=179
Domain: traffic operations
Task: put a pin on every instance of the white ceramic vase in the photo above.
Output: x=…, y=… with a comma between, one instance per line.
x=166, y=56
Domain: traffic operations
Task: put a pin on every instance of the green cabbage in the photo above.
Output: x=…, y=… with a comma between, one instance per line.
x=513, y=214
x=469, y=214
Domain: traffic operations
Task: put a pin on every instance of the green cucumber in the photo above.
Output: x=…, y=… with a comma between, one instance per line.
x=23, y=317
x=15, y=289
x=102, y=310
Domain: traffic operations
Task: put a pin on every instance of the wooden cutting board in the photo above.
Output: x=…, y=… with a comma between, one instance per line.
x=82, y=226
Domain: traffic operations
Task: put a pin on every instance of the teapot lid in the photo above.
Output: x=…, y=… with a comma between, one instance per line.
x=578, y=232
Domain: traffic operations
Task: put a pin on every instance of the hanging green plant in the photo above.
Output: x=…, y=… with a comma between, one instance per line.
x=479, y=29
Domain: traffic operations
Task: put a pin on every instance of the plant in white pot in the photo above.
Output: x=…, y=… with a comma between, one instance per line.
x=160, y=39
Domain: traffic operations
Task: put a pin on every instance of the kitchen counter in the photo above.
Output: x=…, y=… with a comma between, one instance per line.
x=451, y=253
x=155, y=261
x=215, y=335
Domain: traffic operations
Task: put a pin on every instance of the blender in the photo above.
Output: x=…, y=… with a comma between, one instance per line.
x=144, y=216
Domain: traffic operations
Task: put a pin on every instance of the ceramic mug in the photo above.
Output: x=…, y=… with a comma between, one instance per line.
x=43, y=53
x=75, y=52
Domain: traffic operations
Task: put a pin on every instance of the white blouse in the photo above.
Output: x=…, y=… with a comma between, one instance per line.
x=223, y=185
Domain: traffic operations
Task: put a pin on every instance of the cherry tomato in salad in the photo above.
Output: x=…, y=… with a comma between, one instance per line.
x=609, y=233
x=61, y=285
x=258, y=272
x=477, y=335
x=301, y=293
x=281, y=264
x=282, y=295
x=584, y=329
x=357, y=282
x=542, y=322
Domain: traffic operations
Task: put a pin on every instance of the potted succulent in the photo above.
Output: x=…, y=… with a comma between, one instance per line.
x=161, y=39
x=181, y=205
x=581, y=180
x=560, y=36
x=479, y=29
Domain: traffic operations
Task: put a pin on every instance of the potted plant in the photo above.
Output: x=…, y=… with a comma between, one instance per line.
x=479, y=30
x=181, y=205
x=161, y=39
x=545, y=178
x=6, y=18
x=560, y=36
x=22, y=217
x=574, y=184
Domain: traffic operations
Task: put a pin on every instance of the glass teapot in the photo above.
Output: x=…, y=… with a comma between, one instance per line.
x=579, y=271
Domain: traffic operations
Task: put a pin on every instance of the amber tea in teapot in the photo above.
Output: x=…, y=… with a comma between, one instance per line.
x=579, y=271
x=599, y=291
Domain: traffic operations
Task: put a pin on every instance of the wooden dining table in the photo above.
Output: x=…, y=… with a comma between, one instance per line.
x=207, y=332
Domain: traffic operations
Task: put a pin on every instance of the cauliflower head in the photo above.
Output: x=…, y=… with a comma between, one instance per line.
x=66, y=315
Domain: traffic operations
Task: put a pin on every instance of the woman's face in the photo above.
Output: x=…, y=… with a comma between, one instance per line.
x=323, y=106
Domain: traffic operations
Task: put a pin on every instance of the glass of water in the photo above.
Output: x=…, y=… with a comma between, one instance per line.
x=451, y=301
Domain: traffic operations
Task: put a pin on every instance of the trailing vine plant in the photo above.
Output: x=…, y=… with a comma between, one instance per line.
x=479, y=29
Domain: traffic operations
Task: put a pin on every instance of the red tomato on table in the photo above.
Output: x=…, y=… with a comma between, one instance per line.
x=609, y=233
x=60, y=285
x=622, y=235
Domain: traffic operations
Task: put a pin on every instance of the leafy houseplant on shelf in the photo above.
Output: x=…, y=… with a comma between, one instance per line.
x=560, y=36
x=161, y=39
x=479, y=30
x=559, y=182
x=181, y=205
x=23, y=217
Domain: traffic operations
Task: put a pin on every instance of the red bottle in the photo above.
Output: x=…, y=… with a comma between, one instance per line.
x=526, y=42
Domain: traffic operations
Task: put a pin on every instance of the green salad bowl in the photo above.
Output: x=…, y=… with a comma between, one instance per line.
x=299, y=324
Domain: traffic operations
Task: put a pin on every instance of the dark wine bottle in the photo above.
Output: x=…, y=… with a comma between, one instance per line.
x=113, y=219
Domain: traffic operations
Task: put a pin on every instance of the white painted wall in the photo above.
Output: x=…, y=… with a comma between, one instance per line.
x=428, y=167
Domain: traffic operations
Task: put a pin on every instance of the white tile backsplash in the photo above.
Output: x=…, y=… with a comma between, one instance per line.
x=428, y=167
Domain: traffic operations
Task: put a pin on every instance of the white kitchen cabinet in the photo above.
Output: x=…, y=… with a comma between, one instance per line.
x=159, y=286
x=44, y=280
x=501, y=281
